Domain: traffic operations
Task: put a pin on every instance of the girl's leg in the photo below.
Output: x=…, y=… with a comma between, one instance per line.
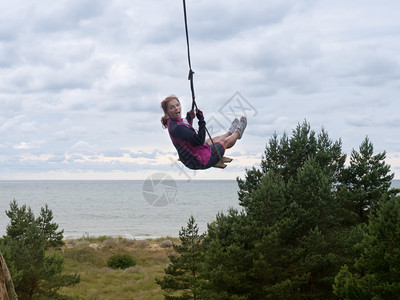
x=230, y=140
x=223, y=137
x=227, y=140
x=219, y=138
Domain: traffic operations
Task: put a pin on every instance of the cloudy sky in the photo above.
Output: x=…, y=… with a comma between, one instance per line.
x=81, y=81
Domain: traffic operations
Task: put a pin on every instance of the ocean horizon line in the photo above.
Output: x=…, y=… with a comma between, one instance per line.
x=121, y=180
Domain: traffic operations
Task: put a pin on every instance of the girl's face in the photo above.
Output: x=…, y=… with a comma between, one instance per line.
x=174, y=109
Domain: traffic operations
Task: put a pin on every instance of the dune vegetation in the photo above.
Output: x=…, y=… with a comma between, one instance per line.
x=88, y=257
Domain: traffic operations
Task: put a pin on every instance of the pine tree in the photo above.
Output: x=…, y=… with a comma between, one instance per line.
x=182, y=279
x=377, y=272
x=295, y=254
x=283, y=245
x=287, y=155
x=227, y=258
x=297, y=227
x=366, y=180
x=35, y=272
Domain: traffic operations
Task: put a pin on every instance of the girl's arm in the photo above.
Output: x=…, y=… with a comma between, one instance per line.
x=189, y=134
x=202, y=125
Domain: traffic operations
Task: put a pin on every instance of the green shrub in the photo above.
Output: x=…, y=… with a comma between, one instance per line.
x=121, y=261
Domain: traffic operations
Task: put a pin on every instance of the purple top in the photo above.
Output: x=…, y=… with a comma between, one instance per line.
x=192, y=149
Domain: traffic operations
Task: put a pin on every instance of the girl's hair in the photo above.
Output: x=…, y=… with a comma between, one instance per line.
x=164, y=106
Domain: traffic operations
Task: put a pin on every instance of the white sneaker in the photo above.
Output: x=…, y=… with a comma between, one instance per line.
x=241, y=127
x=234, y=124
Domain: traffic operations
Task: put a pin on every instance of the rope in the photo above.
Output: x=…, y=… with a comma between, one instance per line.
x=191, y=73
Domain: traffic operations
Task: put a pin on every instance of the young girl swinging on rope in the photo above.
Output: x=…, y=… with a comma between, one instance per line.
x=194, y=151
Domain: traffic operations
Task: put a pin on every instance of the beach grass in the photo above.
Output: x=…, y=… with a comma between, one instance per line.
x=88, y=257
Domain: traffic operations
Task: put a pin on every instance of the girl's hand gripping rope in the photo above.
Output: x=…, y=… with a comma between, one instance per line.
x=199, y=114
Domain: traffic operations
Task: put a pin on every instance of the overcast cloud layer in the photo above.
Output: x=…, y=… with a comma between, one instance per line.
x=81, y=81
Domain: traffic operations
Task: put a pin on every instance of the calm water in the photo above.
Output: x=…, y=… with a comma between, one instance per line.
x=134, y=209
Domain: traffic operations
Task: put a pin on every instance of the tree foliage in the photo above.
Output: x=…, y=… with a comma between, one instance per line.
x=182, y=279
x=377, y=272
x=287, y=155
x=227, y=260
x=285, y=243
x=303, y=214
x=35, y=272
x=365, y=181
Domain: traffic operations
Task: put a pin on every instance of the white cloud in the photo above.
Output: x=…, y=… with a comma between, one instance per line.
x=82, y=80
x=23, y=145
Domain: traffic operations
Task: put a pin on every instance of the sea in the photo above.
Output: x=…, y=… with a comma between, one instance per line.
x=138, y=209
